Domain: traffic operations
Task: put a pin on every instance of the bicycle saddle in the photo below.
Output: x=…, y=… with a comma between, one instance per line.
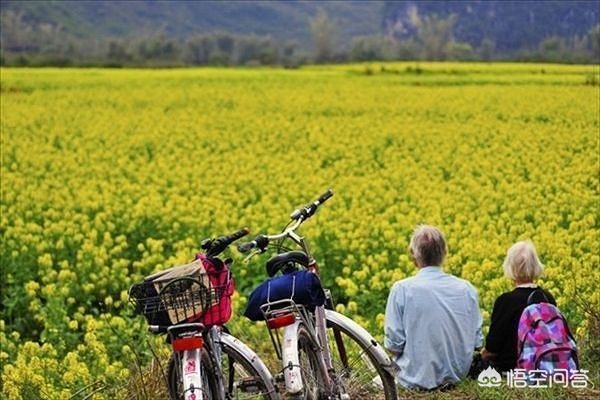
x=288, y=259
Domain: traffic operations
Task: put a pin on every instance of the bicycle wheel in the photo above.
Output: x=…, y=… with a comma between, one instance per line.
x=310, y=367
x=175, y=382
x=244, y=375
x=361, y=365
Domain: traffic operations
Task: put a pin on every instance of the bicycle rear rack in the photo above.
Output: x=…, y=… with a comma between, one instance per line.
x=281, y=313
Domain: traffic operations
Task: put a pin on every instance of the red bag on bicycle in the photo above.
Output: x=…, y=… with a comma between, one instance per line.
x=223, y=286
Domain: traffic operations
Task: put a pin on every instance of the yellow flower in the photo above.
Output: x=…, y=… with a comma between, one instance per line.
x=489, y=164
x=73, y=325
x=32, y=288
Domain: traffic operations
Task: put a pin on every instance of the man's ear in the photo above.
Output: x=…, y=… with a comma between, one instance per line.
x=412, y=257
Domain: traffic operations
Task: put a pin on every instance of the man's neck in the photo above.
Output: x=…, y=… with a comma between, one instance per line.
x=429, y=266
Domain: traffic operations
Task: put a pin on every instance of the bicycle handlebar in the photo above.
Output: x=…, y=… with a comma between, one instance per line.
x=300, y=215
x=214, y=247
x=309, y=210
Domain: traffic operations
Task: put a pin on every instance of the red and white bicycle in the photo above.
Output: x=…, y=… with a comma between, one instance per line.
x=191, y=304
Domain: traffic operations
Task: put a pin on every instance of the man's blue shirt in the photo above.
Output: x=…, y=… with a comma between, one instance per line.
x=432, y=325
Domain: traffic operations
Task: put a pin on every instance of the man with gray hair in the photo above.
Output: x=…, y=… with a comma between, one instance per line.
x=432, y=320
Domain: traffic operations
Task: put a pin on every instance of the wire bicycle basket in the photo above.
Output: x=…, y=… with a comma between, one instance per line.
x=186, y=293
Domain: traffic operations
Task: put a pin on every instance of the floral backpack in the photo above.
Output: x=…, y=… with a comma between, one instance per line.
x=544, y=339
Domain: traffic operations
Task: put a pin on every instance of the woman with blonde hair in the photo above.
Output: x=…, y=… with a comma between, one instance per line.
x=523, y=267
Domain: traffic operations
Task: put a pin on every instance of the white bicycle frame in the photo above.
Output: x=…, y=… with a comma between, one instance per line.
x=318, y=329
x=291, y=359
x=287, y=348
x=188, y=342
x=289, y=316
x=289, y=355
x=191, y=365
x=317, y=326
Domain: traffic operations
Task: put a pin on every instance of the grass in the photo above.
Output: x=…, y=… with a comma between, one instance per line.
x=150, y=385
x=471, y=390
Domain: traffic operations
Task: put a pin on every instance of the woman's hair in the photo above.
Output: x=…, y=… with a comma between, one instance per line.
x=428, y=246
x=522, y=263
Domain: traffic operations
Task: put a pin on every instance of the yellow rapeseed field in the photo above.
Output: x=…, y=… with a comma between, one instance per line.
x=109, y=175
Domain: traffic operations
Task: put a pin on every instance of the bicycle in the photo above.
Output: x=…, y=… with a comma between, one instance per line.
x=324, y=354
x=190, y=304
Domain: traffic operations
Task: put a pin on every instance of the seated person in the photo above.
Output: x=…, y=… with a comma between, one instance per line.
x=432, y=320
x=522, y=266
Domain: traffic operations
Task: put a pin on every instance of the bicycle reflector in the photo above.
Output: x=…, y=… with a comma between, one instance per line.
x=281, y=320
x=187, y=343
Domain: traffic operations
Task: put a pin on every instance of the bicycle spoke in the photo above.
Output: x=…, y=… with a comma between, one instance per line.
x=358, y=376
x=309, y=366
x=242, y=381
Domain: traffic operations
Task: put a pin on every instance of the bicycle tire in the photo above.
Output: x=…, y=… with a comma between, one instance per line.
x=251, y=379
x=310, y=367
x=174, y=380
x=361, y=377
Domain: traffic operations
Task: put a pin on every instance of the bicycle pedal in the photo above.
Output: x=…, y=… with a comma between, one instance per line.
x=249, y=385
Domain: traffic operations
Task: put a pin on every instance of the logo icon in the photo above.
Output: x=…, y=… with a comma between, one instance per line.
x=489, y=377
x=190, y=367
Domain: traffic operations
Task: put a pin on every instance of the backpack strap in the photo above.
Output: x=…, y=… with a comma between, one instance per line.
x=537, y=296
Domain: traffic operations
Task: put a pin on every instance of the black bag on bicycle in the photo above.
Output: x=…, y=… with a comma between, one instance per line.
x=302, y=286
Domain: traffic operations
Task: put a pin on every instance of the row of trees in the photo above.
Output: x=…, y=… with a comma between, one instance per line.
x=23, y=45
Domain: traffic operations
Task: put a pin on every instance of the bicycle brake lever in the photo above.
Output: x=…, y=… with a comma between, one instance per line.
x=252, y=254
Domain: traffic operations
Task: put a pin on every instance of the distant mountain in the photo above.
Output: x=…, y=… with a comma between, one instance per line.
x=283, y=20
x=511, y=25
x=33, y=27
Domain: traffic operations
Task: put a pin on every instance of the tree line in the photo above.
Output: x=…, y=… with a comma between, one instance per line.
x=23, y=44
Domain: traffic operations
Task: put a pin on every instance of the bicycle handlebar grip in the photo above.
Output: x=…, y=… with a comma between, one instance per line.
x=325, y=196
x=220, y=244
x=236, y=235
x=310, y=210
x=260, y=242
